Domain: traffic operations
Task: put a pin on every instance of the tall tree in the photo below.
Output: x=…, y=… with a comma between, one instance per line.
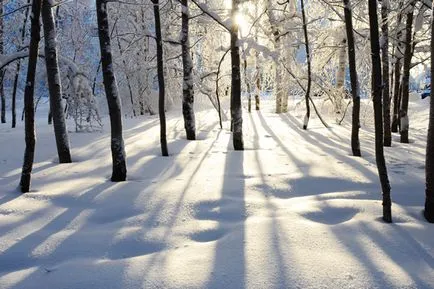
x=161, y=85
x=119, y=172
x=29, y=106
x=355, y=126
x=54, y=83
x=429, y=162
x=385, y=6
x=378, y=113
x=17, y=70
x=187, y=89
x=404, y=121
x=278, y=81
x=2, y=71
x=309, y=72
x=398, y=53
x=236, y=109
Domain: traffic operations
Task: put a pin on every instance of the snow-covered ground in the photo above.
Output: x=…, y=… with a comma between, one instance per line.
x=294, y=210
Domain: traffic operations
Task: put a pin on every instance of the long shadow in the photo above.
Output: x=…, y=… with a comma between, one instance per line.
x=299, y=162
x=177, y=208
x=67, y=248
x=18, y=256
x=229, y=259
x=390, y=244
x=329, y=147
x=276, y=238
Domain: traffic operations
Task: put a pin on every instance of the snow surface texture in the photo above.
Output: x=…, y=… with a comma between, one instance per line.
x=294, y=210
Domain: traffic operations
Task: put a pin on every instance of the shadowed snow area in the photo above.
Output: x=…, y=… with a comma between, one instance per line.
x=294, y=210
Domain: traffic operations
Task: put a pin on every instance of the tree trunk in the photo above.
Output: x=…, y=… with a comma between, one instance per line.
x=399, y=52
x=119, y=172
x=376, y=91
x=396, y=94
x=161, y=87
x=404, y=121
x=385, y=60
x=309, y=72
x=429, y=162
x=277, y=88
x=2, y=72
x=355, y=142
x=54, y=84
x=340, y=77
x=130, y=89
x=246, y=81
x=258, y=76
x=236, y=109
x=187, y=89
x=29, y=106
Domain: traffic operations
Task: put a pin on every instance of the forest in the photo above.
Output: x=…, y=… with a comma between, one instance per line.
x=216, y=144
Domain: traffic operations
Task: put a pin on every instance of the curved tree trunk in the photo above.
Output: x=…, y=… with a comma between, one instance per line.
x=355, y=142
x=119, y=172
x=54, y=84
x=187, y=89
x=404, y=121
x=161, y=87
x=309, y=72
x=385, y=60
x=236, y=109
x=29, y=106
x=429, y=162
x=376, y=91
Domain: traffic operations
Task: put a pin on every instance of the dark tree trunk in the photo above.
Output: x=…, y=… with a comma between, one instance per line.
x=29, y=106
x=111, y=90
x=18, y=68
x=376, y=91
x=161, y=86
x=396, y=94
x=187, y=89
x=404, y=121
x=385, y=61
x=54, y=84
x=309, y=72
x=236, y=109
x=355, y=142
x=399, y=51
x=429, y=165
x=14, y=95
x=2, y=72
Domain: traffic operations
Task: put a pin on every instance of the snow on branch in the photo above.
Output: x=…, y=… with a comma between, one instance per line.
x=205, y=9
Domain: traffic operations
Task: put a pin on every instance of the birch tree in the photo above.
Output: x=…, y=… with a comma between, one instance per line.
x=119, y=172
x=236, y=109
x=2, y=71
x=378, y=113
x=187, y=88
x=404, y=120
x=429, y=161
x=385, y=6
x=355, y=124
x=54, y=83
x=161, y=86
x=29, y=106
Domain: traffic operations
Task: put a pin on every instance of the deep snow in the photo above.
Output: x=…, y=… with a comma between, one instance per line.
x=294, y=210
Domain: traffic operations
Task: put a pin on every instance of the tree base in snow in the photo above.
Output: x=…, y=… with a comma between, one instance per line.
x=119, y=173
x=191, y=135
x=429, y=212
x=404, y=137
x=387, y=215
x=238, y=142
